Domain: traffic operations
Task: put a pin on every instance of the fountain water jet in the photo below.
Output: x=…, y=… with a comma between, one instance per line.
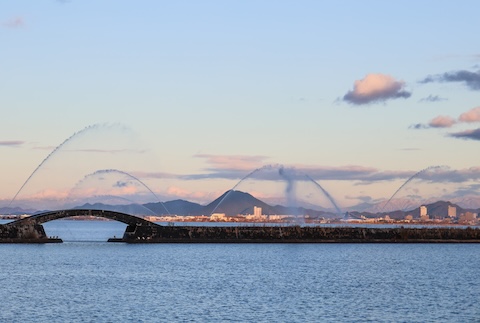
x=238, y=183
x=408, y=181
x=290, y=176
x=111, y=171
x=102, y=198
x=75, y=135
x=326, y=193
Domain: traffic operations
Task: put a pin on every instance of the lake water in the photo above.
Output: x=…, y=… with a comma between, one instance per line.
x=86, y=279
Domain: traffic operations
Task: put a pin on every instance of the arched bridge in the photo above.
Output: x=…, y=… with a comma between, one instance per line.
x=60, y=214
x=30, y=229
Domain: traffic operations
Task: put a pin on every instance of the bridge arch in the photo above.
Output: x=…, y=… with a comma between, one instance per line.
x=44, y=217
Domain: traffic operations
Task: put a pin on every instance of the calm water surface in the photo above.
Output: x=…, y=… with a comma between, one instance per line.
x=88, y=280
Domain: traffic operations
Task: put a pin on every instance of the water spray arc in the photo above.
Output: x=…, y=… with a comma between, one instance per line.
x=289, y=178
x=86, y=129
x=110, y=171
x=238, y=183
x=126, y=200
x=408, y=181
x=330, y=198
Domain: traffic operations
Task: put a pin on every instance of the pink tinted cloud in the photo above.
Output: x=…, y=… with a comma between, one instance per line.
x=376, y=88
x=470, y=116
x=236, y=162
x=442, y=122
x=114, y=190
x=49, y=193
x=182, y=193
x=16, y=22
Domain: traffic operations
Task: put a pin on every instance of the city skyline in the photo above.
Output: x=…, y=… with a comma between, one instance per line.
x=189, y=98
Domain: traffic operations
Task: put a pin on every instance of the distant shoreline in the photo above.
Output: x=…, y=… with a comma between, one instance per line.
x=284, y=223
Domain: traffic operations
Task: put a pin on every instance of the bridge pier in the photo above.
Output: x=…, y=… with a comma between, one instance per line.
x=138, y=232
x=28, y=233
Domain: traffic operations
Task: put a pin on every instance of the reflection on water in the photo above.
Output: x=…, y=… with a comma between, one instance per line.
x=90, y=281
x=73, y=230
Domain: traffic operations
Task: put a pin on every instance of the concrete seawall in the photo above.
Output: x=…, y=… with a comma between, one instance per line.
x=144, y=232
x=297, y=234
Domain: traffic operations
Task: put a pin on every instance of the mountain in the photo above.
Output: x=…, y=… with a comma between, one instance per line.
x=437, y=209
x=178, y=207
x=16, y=210
x=385, y=206
x=235, y=202
x=127, y=208
x=231, y=203
x=468, y=202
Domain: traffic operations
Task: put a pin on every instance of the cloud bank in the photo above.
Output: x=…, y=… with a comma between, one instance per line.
x=441, y=121
x=467, y=134
x=360, y=174
x=470, y=79
x=237, y=162
x=376, y=88
x=11, y=143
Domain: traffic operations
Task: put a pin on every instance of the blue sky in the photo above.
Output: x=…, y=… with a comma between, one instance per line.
x=358, y=95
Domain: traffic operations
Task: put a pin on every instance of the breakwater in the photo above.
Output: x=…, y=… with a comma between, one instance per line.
x=139, y=230
x=296, y=234
x=29, y=233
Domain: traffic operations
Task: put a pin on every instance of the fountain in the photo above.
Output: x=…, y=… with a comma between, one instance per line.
x=414, y=176
x=76, y=134
x=99, y=173
x=91, y=148
x=270, y=176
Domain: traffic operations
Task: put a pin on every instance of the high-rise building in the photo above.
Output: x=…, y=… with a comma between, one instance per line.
x=452, y=211
x=423, y=212
x=257, y=211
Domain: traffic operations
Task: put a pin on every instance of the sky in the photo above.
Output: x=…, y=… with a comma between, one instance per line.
x=183, y=99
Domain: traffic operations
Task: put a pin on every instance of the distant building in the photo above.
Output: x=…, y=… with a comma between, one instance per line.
x=452, y=211
x=257, y=211
x=423, y=212
x=218, y=217
x=468, y=216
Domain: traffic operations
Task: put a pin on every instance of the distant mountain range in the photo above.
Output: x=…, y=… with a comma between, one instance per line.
x=231, y=203
x=16, y=210
x=235, y=202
